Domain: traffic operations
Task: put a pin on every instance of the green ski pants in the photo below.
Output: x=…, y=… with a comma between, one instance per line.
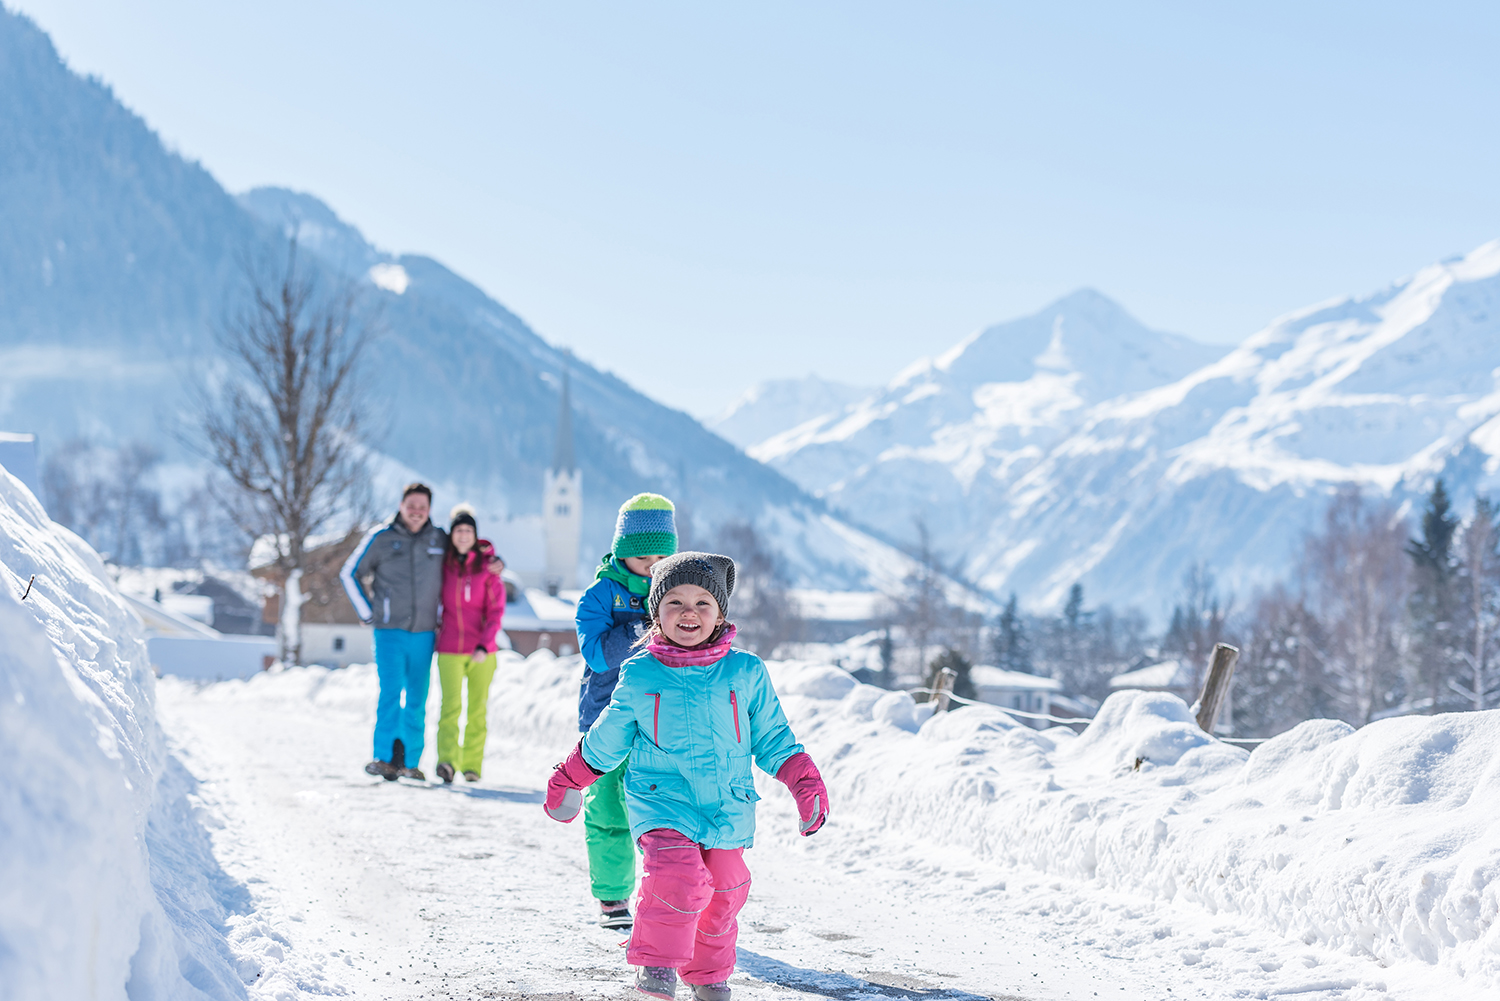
x=453, y=670
x=606, y=830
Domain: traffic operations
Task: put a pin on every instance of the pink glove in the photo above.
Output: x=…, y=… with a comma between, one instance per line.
x=802, y=778
x=564, y=800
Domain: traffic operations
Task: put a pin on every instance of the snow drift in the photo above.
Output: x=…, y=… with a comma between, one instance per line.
x=1381, y=843
x=108, y=888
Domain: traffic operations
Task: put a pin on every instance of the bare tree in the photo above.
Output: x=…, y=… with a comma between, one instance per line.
x=287, y=429
x=764, y=612
x=1197, y=621
x=1480, y=578
x=1356, y=577
x=1280, y=680
x=106, y=495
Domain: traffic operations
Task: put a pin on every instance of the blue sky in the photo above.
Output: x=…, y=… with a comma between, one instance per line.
x=699, y=196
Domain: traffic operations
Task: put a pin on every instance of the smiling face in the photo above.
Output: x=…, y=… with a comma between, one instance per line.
x=463, y=538
x=415, y=507
x=688, y=615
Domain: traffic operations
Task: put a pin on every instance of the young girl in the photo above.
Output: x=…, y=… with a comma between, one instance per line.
x=691, y=713
x=473, y=605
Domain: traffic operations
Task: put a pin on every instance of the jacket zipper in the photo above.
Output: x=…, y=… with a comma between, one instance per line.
x=461, y=635
x=734, y=705
x=656, y=720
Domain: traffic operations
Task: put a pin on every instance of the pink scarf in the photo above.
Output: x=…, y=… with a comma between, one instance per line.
x=672, y=655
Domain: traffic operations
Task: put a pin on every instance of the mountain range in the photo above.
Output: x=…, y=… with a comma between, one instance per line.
x=119, y=257
x=1078, y=446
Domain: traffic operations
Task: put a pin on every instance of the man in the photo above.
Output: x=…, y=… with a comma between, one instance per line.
x=403, y=560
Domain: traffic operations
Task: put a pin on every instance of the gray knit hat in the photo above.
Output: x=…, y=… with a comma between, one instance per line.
x=710, y=571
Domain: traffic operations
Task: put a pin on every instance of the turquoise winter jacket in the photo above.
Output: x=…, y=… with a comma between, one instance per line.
x=691, y=733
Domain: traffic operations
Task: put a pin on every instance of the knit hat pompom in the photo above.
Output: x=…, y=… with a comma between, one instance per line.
x=462, y=514
x=647, y=526
x=710, y=571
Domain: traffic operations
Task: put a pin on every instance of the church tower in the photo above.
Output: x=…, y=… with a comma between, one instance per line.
x=562, y=504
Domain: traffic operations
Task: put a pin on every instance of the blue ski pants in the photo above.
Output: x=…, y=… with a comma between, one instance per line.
x=403, y=662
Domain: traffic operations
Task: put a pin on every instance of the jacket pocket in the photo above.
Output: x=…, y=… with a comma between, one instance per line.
x=657, y=785
x=744, y=790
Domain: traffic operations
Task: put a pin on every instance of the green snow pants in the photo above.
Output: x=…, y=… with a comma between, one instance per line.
x=606, y=830
x=453, y=670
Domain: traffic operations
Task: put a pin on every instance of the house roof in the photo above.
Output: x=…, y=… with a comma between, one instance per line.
x=160, y=620
x=1167, y=674
x=985, y=676
x=534, y=610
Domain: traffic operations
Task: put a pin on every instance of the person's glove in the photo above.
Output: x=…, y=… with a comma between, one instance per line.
x=564, y=800
x=801, y=776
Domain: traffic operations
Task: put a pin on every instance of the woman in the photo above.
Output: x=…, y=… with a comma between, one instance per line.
x=473, y=605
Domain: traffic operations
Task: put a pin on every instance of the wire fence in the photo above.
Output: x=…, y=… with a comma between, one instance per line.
x=1064, y=720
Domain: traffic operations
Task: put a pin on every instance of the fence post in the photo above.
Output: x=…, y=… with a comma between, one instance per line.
x=943, y=687
x=1220, y=672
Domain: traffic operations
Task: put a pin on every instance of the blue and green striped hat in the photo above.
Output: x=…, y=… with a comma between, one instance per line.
x=647, y=526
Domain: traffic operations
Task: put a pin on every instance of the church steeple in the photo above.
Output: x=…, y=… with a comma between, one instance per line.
x=562, y=501
x=562, y=453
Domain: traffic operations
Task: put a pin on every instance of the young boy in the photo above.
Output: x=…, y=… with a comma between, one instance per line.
x=611, y=618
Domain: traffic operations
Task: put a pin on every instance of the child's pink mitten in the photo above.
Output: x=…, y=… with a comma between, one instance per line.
x=564, y=801
x=802, y=778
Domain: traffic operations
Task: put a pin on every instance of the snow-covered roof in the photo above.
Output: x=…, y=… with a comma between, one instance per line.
x=162, y=621
x=263, y=552
x=534, y=610
x=839, y=606
x=1167, y=674
x=985, y=676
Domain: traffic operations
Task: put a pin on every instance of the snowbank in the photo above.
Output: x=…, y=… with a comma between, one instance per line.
x=1381, y=843
x=108, y=888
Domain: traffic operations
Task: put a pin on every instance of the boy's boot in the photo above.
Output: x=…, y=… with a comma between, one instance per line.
x=445, y=772
x=657, y=981
x=615, y=913
x=712, y=992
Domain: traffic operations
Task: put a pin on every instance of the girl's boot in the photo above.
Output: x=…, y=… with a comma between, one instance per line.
x=711, y=992
x=657, y=981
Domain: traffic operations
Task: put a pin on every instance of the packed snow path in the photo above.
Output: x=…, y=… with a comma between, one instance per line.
x=398, y=890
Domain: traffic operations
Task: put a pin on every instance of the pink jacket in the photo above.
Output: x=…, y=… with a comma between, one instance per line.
x=473, y=603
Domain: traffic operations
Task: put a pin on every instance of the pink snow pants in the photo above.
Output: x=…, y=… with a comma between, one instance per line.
x=690, y=896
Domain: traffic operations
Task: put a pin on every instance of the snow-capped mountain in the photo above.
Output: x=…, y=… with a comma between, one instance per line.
x=1110, y=469
x=941, y=441
x=776, y=405
x=117, y=258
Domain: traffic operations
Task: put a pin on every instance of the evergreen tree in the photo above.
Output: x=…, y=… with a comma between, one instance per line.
x=1434, y=605
x=1012, y=645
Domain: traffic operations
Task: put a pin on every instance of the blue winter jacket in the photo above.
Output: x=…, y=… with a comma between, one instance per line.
x=690, y=733
x=607, y=614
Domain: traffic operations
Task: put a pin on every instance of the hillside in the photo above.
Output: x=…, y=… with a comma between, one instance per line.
x=119, y=257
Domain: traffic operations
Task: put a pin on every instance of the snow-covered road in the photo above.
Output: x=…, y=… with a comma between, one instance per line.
x=369, y=889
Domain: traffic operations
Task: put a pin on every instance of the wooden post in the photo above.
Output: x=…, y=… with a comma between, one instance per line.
x=1220, y=671
x=943, y=687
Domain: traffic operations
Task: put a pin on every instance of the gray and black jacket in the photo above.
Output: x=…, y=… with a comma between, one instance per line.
x=408, y=576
